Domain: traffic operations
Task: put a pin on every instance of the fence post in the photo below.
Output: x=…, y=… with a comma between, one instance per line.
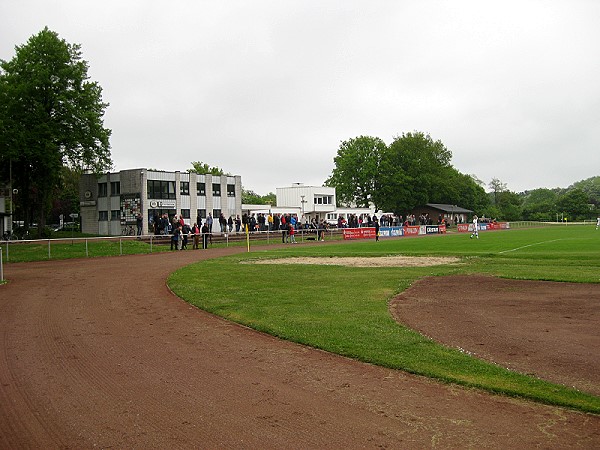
x=86, y=249
x=48, y=248
x=121, y=246
x=1, y=267
x=151, y=236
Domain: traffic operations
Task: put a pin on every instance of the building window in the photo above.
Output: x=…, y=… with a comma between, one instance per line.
x=102, y=190
x=184, y=188
x=201, y=188
x=185, y=213
x=216, y=214
x=161, y=189
x=231, y=190
x=115, y=214
x=201, y=214
x=103, y=215
x=324, y=200
x=115, y=188
x=216, y=190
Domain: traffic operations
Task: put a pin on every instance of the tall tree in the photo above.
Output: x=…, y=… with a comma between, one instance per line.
x=51, y=115
x=591, y=186
x=497, y=187
x=356, y=173
x=463, y=190
x=540, y=204
x=413, y=168
x=575, y=204
x=509, y=204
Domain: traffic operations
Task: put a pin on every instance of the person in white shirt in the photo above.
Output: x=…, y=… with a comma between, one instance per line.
x=475, y=230
x=597, y=223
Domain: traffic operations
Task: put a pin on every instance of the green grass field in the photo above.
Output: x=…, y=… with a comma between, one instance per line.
x=344, y=309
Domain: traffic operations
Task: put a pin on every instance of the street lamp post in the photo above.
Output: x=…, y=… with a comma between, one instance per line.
x=302, y=202
x=10, y=220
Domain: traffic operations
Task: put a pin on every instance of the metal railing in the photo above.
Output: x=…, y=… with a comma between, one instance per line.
x=39, y=249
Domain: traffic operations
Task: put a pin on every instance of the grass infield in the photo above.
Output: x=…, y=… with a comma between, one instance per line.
x=344, y=309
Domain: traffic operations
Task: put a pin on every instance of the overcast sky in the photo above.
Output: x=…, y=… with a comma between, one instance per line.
x=268, y=89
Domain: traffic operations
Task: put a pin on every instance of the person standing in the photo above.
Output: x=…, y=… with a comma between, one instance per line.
x=196, y=233
x=139, y=222
x=597, y=223
x=209, y=222
x=176, y=238
x=205, y=235
x=475, y=228
x=376, y=223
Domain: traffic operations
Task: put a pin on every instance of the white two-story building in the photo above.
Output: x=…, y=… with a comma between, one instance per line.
x=112, y=201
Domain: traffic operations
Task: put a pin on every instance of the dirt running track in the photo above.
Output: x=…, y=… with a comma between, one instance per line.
x=97, y=353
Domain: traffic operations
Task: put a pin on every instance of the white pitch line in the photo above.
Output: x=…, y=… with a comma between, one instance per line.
x=529, y=245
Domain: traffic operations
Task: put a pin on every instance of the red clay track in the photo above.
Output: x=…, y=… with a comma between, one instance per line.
x=99, y=353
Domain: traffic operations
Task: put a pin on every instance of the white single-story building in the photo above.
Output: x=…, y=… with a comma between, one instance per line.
x=308, y=203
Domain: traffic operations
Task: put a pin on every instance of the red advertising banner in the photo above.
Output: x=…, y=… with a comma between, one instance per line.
x=412, y=230
x=466, y=227
x=498, y=226
x=359, y=233
x=463, y=227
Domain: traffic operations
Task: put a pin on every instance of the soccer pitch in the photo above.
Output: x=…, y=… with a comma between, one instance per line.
x=344, y=310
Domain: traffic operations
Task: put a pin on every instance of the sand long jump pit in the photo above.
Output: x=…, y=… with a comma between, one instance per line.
x=368, y=261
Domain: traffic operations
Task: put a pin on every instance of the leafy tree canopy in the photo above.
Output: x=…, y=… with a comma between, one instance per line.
x=591, y=186
x=497, y=187
x=413, y=171
x=540, y=204
x=575, y=204
x=202, y=168
x=51, y=116
x=252, y=198
x=357, y=170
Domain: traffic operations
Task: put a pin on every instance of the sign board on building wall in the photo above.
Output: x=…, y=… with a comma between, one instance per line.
x=163, y=204
x=131, y=207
